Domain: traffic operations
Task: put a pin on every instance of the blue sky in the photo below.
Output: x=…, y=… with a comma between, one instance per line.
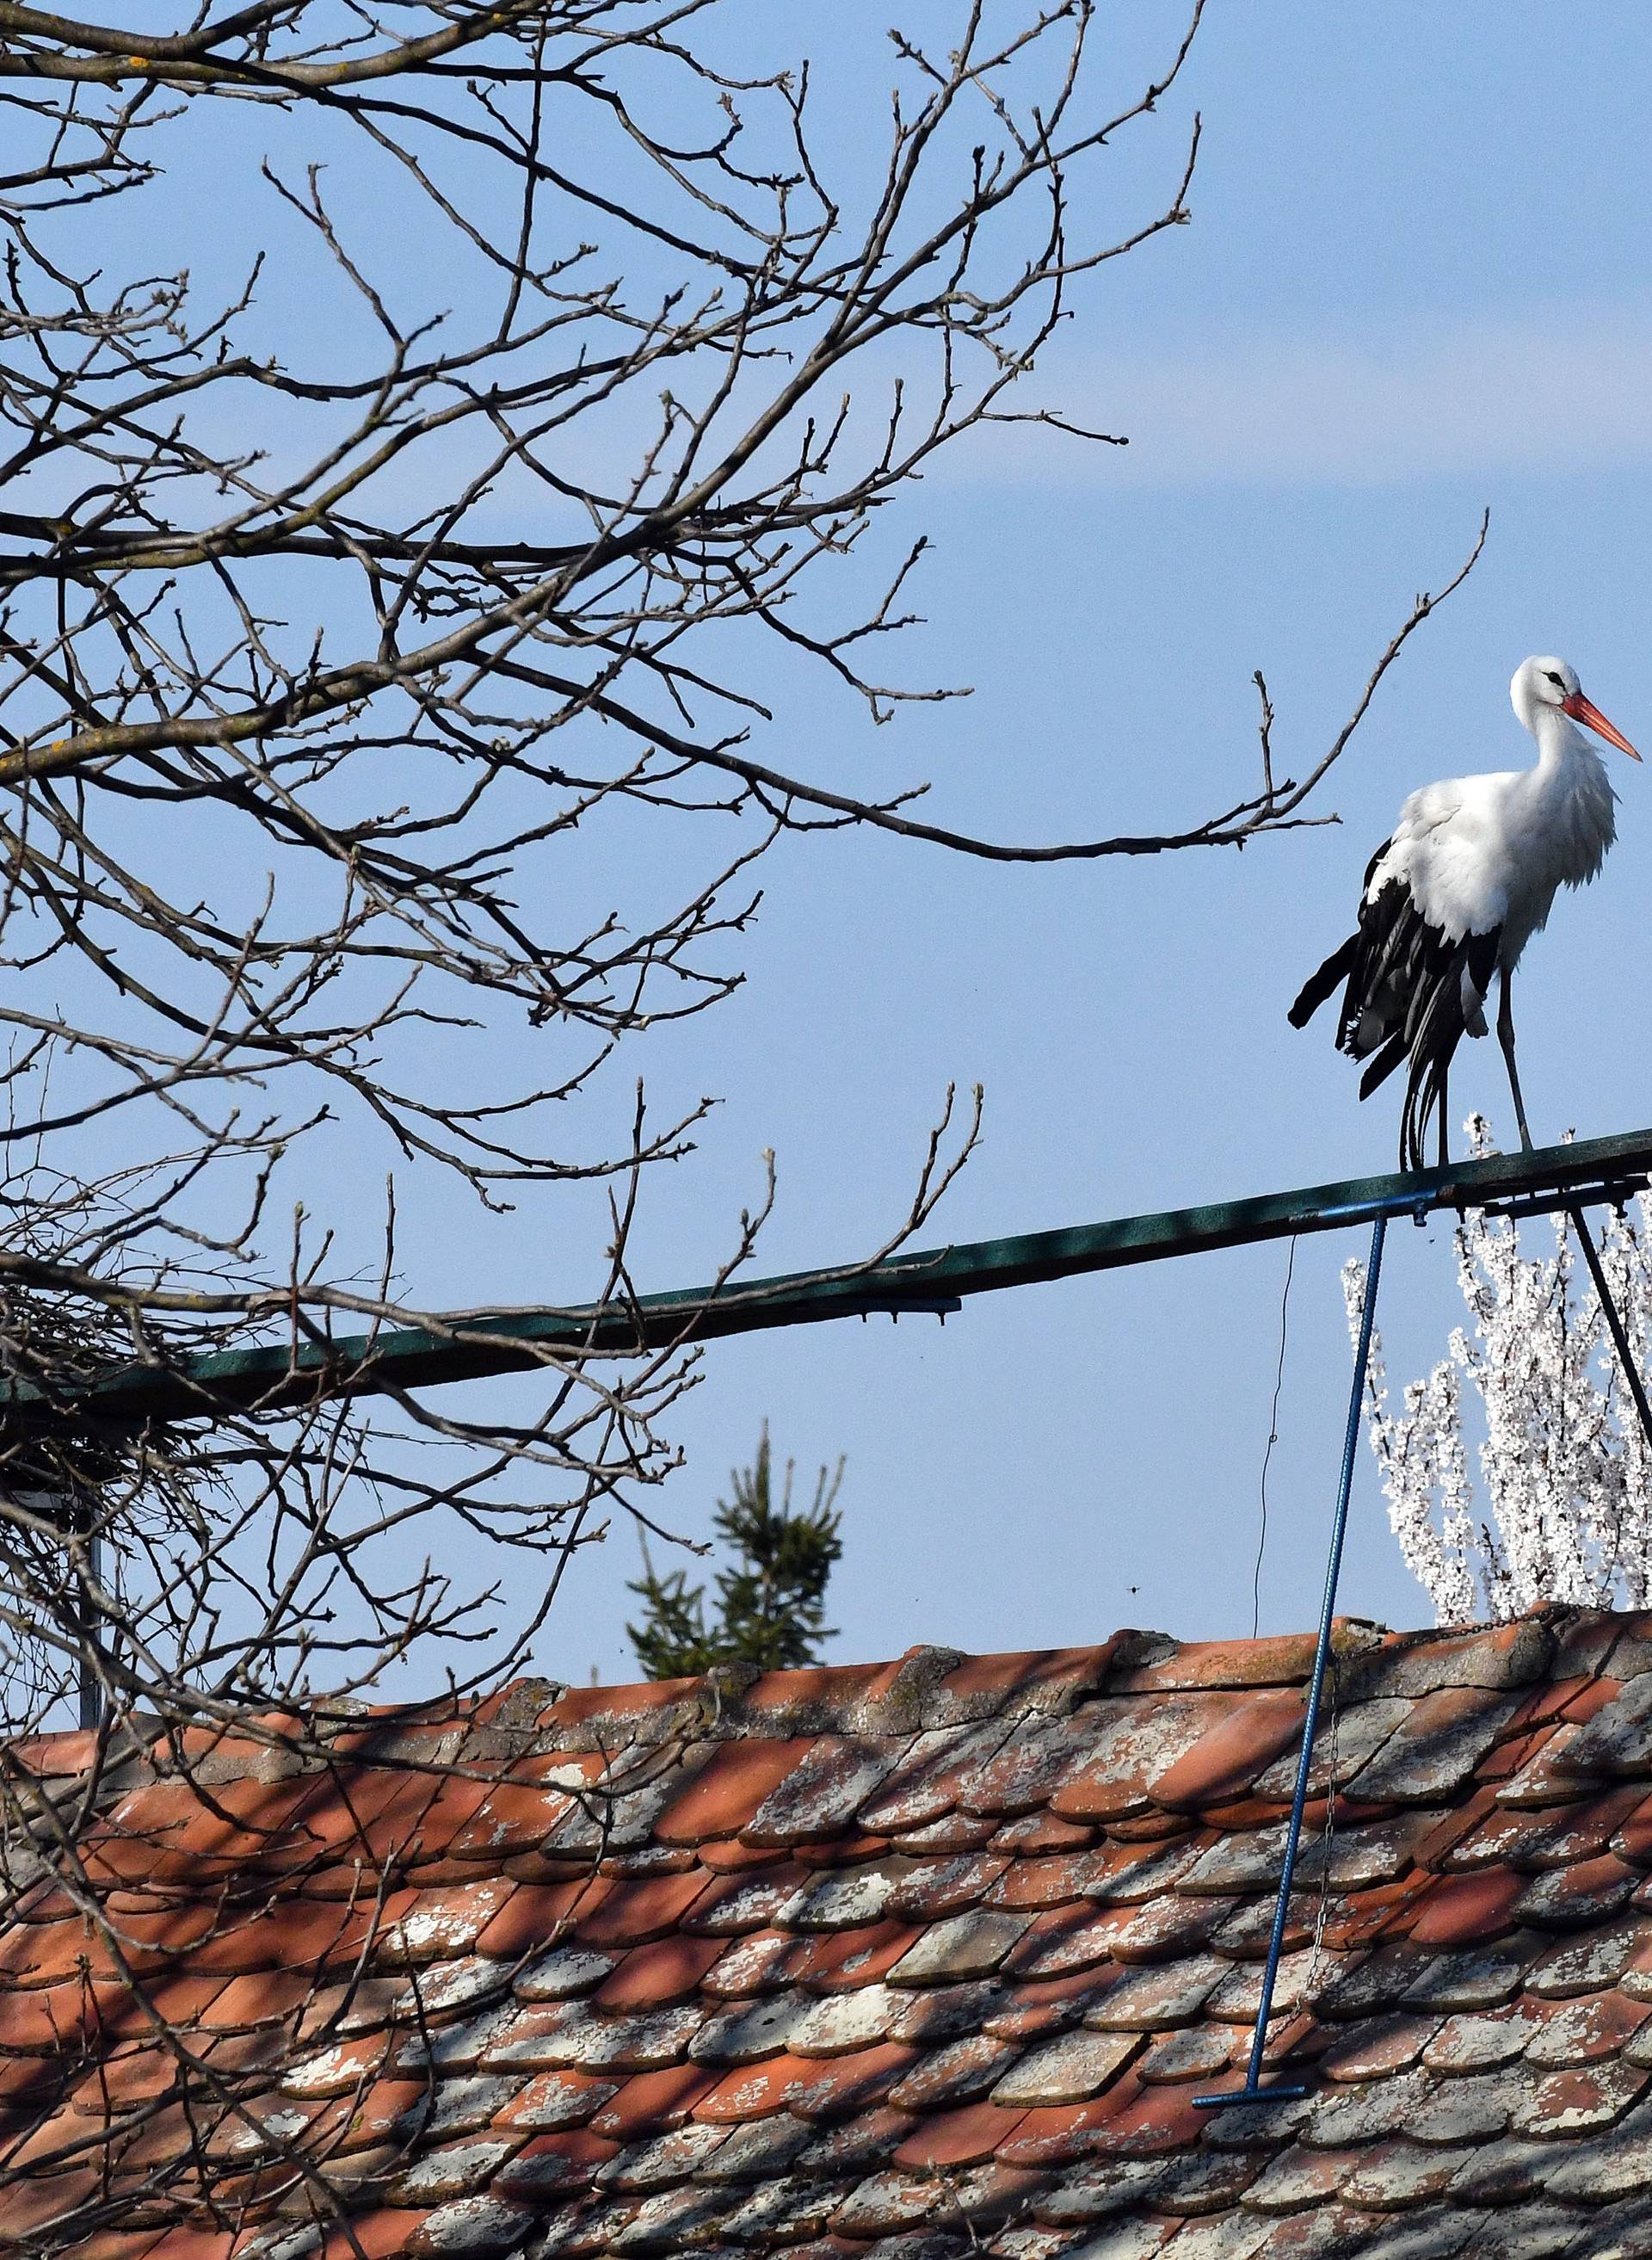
x=1415, y=287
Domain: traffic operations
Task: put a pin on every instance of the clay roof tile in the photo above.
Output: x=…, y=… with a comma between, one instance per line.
x=874, y=1960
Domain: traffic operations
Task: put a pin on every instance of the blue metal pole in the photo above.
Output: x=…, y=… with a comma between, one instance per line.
x=1250, y=2092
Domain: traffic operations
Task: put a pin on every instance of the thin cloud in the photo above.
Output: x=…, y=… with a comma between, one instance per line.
x=1479, y=395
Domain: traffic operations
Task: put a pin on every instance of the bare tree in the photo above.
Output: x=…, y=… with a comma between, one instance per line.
x=426, y=429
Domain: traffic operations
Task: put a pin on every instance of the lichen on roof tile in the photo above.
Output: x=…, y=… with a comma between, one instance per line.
x=910, y=1961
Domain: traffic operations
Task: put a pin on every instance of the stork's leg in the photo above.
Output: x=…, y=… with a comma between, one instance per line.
x=1505, y=1037
x=1445, y=1104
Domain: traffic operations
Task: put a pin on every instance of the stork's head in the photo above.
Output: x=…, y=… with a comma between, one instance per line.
x=1552, y=683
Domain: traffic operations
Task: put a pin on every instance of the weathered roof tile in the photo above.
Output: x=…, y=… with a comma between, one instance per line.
x=1069, y=2068
x=867, y=1963
x=960, y=1946
x=1444, y=1740
x=822, y=1793
x=1617, y=1739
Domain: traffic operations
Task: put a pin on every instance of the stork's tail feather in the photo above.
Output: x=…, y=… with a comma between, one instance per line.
x=1436, y=1026
x=1412, y=991
x=1384, y=1065
x=1319, y=985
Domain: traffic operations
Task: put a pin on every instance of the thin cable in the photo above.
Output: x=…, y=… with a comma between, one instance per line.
x=1273, y=1438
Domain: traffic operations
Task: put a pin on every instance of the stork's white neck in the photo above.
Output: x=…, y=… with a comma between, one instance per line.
x=1559, y=739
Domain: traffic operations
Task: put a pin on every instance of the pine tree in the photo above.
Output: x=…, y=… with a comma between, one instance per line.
x=770, y=1601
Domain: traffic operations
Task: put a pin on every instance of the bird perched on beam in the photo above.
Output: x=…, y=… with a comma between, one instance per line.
x=1452, y=899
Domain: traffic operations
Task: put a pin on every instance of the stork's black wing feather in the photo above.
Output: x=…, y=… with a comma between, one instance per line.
x=1318, y=986
x=1341, y=962
x=1412, y=993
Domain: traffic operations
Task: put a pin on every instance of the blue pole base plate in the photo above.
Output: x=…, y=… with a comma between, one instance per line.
x=1229, y=2096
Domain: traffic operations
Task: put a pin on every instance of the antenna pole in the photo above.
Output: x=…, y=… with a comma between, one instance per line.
x=1251, y=2092
x=91, y=1691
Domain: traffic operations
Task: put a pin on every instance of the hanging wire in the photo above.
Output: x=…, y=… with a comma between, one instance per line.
x=1273, y=1438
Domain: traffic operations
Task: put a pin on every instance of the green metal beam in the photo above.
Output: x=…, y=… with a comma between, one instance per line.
x=504, y=1341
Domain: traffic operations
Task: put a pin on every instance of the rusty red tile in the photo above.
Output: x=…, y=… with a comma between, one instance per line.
x=815, y=1688
x=1162, y=1930
x=731, y=1856
x=1232, y=1753
x=483, y=1823
x=1036, y=1834
x=1585, y=2100
x=576, y=1708
x=258, y=1997
x=1050, y=1882
x=723, y=1796
x=824, y=1792
x=536, y=1915
x=187, y=2244
x=1046, y=1672
x=943, y=1885
x=1460, y=1909
x=140, y=1941
x=1148, y=2123
x=814, y=2088
x=1566, y=1898
x=1616, y=1740
x=1633, y=1841
x=731, y=1904
x=1282, y=1660
x=964, y=2137
x=760, y=1962
x=1135, y=1742
x=1586, y=1696
x=1062, y=1940
x=651, y=2100
x=752, y=2091
x=384, y=2233
x=1056, y=2134
x=922, y=1786
x=1521, y=1749
x=654, y=1975
x=43, y=1953
x=1027, y=1765
x=834, y=1962
x=1049, y=2004
x=850, y=1850
x=295, y=1932
x=356, y=1809
x=116, y=2245
x=560, y=2099
x=1448, y=1733
x=953, y=1832
x=1551, y=1836
x=1377, y=2046
x=962, y=2071
x=1584, y=2029
x=839, y=2087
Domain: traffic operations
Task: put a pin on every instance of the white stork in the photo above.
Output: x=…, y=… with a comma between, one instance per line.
x=1468, y=876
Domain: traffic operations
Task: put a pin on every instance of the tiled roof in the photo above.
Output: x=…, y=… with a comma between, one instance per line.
x=911, y=1962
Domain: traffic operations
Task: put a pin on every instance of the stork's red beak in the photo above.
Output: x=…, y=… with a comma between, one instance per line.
x=1584, y=710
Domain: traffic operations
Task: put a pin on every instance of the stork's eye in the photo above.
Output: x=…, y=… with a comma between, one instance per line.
x=1554, y=679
